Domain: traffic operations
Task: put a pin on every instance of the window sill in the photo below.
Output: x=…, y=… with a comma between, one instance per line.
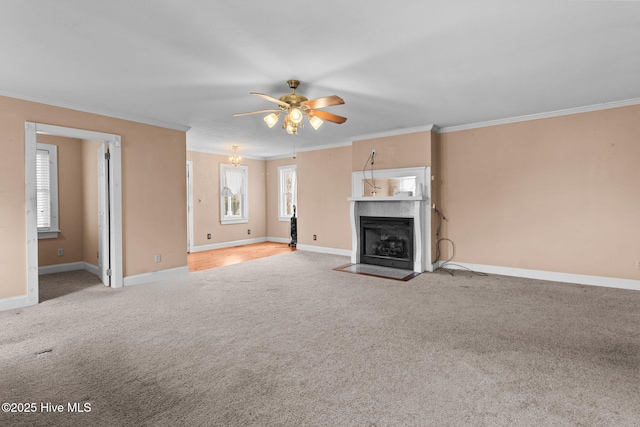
x=234, y=221
x=284, y=218
x=51, y=234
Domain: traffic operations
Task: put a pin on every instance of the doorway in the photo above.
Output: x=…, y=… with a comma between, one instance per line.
x=111, y=205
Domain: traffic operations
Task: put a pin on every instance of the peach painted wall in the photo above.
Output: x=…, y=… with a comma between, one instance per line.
x=70, y=204
x=90, y=200
x=153, y=189
x=324, y=184
x=275, y=227
x=206, y=200
x=559, y=194
x=394, y=152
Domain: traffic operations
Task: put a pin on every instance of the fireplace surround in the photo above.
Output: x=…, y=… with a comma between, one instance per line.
x=399, y=207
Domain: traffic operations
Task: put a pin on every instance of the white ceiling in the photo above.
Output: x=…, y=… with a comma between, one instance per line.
x=398, y=65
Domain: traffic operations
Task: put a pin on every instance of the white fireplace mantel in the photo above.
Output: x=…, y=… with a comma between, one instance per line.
x=416, y=206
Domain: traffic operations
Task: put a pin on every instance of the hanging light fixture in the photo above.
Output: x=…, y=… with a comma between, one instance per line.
x=295, y=107
x=235, y=159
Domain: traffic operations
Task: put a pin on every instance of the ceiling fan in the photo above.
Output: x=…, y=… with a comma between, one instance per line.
x=295, y=107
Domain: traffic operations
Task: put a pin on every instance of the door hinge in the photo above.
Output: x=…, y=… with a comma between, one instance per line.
x=108, y=272
x=107, y=156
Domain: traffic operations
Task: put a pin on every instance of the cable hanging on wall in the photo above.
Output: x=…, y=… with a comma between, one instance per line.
x=441, y=217
x=371, y=183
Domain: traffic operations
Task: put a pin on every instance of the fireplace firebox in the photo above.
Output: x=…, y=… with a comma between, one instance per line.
x=387, y=241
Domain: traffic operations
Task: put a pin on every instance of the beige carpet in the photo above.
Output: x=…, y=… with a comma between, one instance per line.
x=288, y=341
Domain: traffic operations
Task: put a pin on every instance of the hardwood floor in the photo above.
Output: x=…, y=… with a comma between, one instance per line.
x=237, y=254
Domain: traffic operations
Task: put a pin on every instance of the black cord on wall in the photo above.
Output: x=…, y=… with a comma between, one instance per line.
x=453, y=250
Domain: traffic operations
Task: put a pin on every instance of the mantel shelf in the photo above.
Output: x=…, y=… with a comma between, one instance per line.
x=388, y=199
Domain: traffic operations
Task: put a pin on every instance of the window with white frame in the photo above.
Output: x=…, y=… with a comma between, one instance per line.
x=234, y=194
x=47, y=190
x=287, y=192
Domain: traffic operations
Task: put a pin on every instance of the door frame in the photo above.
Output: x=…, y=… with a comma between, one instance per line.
x=31, y=129
x=189, y=206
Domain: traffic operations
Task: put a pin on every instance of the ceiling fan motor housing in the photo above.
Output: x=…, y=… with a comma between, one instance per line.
x=293, y=99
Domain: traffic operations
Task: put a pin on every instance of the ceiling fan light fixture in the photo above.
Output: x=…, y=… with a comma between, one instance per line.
x=271, y=119
x=316, y=122
x=295, y=115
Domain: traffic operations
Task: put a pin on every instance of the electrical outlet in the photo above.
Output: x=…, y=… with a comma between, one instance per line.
x=249, y=231
x=61, y=252
x=157, y=258
x=373, y=152
x=209, y=236
x=315, y=237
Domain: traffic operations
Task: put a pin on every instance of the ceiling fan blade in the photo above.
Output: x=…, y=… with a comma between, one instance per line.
x=326, y=101
x=328, y=116
x=257, y=112
x=272, y=99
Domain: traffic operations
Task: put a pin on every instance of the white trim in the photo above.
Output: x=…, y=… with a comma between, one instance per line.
x=580, y=279
x=16, y=302
x=60, y=268
x=312, y=148
x=546, y=115
x=92, y=110
x=281, y=169
x=156, y=276
x=206, y=150
x=396, y=132
x=31, y=204
x=423, y=183
x=279, y=239
x=53, y=230
x=190, y=236
x=244, y=202
x=229, y=244
x=324, y=250
x=115, y=172
x=70, y=266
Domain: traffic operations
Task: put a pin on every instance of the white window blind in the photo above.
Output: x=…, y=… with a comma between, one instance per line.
x=43, y=189
x=47, y=190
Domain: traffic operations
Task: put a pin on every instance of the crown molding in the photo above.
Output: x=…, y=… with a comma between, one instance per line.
x=550, y=114
x=312, y=148
x=107, y=113
x=396, y=132
x=205, y=150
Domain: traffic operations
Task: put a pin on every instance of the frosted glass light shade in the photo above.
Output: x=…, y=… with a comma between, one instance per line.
x=271, y=119
x=295, y=115
x=316, y=122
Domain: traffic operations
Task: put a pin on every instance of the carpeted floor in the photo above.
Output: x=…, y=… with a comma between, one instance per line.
x=288, y=341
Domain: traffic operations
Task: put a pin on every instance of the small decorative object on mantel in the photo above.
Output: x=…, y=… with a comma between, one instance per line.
x=235, y=159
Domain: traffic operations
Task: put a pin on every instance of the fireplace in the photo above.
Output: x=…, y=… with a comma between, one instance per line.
x=387, y=241
x=409, y=249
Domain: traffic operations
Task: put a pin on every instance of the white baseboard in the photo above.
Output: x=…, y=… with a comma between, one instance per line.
x=279, y=239
x=60, y=268
x=156, y=276
x=222, y=245
x=71, y=266
x=580, y=279
x=15, y=302
x=323, y=250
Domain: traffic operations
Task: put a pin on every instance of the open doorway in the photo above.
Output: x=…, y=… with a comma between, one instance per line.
x=110, y=268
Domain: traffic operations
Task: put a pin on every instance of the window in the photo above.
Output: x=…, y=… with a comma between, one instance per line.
x=287, y=194
x=47, y=190
x=234, y=194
